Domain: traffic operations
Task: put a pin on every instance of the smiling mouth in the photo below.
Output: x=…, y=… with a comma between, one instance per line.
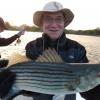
x=53, y=30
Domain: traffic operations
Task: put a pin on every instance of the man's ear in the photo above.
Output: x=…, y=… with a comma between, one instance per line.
x=7, y=79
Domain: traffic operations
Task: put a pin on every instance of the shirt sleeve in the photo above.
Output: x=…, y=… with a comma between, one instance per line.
x=81, y=55
x=7, y=41
x=31, y=50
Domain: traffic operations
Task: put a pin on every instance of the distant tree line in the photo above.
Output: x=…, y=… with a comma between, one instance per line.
x=17, y=28
x=36, y=29
x=93, y=32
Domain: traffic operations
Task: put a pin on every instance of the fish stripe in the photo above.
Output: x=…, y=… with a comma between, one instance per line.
x=54, y=78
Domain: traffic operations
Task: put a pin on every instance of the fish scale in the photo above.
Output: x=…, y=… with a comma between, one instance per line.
x=48, y=76
x=54, y=78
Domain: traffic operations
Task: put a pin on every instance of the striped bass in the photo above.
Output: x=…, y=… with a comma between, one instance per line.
x=53, y=77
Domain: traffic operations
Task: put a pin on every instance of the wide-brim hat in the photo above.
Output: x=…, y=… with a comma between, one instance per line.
x=53, y=7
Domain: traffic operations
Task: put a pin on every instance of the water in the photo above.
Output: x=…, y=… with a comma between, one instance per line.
x=92, y=44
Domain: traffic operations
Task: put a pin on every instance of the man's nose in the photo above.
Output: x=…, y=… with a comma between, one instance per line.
x=54, y=23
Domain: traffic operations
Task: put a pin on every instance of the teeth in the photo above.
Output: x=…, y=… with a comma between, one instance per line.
x=53, y=30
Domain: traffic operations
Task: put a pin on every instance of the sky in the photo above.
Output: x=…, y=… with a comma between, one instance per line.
x=18, y=12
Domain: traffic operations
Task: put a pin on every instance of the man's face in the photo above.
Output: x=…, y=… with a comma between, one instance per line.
x=53, y=24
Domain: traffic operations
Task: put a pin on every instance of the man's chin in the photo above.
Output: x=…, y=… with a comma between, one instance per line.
x=54, y=37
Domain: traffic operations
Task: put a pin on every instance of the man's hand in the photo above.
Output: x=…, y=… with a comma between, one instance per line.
x=22, y=32
x=98, y=75
x=7, y=79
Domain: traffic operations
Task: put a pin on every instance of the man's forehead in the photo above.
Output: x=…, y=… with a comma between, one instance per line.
x=53, y=14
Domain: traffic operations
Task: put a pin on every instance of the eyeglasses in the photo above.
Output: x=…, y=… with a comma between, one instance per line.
x=50, y=20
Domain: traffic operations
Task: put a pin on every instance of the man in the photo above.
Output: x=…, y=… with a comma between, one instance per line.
x=6, y=77
x=7, y=41
x=52, y=20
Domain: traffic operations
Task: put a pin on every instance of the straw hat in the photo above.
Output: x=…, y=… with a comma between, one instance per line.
x=53, y=7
